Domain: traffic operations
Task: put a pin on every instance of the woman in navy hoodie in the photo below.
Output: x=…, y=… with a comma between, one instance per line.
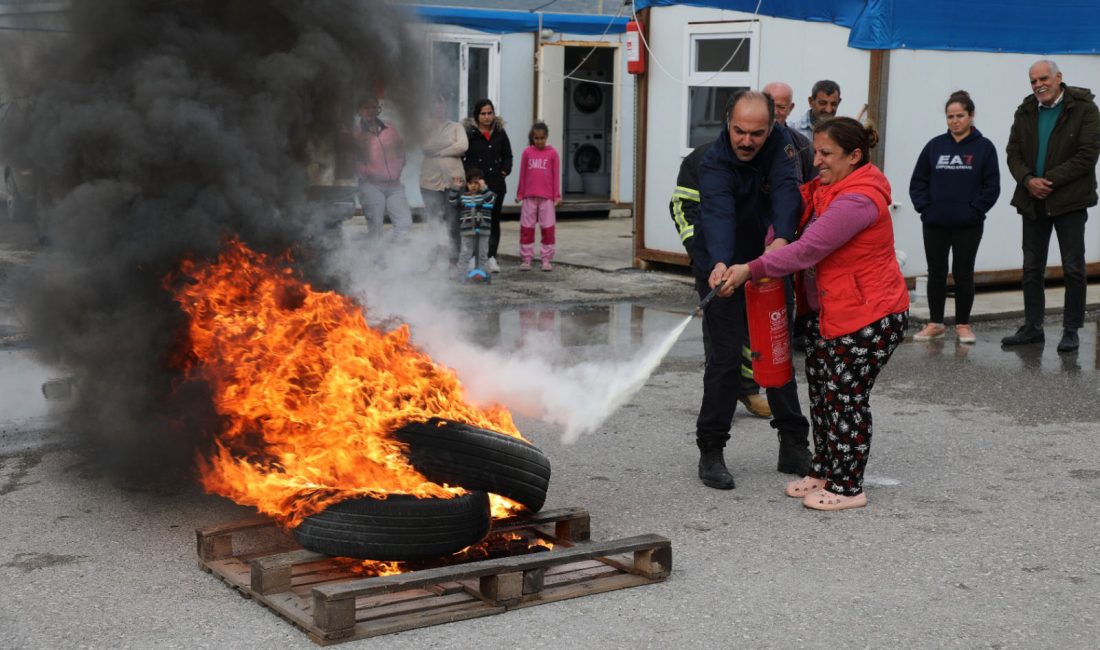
x=956, y=181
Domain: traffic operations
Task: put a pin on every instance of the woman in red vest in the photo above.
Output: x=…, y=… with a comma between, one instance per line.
x=851, y=286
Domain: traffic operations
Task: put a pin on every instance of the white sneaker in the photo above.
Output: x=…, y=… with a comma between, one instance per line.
x=493, y=266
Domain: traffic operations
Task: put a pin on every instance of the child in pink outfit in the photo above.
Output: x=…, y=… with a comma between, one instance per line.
x=540, y=192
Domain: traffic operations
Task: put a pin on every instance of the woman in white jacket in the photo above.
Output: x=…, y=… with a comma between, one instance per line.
x=444, y=144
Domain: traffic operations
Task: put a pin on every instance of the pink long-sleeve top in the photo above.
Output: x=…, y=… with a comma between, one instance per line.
x=845, y=218
x=381, y=153
x=539, y=174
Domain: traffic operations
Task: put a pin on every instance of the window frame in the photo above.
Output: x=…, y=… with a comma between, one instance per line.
x=465, y=42
x=694, y=32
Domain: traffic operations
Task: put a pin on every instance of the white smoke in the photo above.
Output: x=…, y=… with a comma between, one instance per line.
x=408, y=283
x=577, y=397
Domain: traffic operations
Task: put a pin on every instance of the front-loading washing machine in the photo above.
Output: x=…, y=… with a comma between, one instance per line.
x=588, y=103
x=586, y=162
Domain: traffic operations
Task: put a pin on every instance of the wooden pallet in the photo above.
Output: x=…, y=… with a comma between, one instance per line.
x=322, y=596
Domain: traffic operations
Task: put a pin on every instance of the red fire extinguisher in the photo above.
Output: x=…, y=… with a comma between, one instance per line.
x=769, y=336
x=635, y=55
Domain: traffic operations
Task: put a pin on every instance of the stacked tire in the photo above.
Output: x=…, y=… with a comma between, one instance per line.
x=402, y=527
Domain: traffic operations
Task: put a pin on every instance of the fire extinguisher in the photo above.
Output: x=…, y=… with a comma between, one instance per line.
x=769, y=335
x=635, y=56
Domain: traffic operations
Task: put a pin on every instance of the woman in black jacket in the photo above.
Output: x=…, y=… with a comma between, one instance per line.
x=491, y=152
x=956, y=181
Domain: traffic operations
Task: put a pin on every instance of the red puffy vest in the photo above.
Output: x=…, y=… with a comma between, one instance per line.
x=860, y=282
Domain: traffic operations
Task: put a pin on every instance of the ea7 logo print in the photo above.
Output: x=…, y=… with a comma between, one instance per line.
x=964, y=161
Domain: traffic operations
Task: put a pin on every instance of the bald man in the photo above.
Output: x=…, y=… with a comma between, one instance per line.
x=783, y=96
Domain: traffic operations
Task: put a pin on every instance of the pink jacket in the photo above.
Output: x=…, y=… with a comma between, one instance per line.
x=381, y=154
x=539, y=174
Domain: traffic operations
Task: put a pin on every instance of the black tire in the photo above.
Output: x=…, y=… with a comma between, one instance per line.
x=478, y=459
x=400, y=527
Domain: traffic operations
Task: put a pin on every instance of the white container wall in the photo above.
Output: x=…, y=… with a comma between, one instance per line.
x=920, y=83
x=793, y=51
x=800, y=53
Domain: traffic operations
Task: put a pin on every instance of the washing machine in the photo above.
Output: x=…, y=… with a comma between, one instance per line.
x=589, y=104
x=586, y=163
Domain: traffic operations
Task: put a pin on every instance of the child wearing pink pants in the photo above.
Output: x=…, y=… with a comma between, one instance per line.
x=540, y=192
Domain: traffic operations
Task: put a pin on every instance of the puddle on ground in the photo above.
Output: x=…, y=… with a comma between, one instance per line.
x=617, y=328
x=1033, y=358
x=24, y=384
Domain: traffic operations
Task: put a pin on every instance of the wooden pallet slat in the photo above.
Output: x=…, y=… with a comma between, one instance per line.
x=325, y=597
x=272, y=574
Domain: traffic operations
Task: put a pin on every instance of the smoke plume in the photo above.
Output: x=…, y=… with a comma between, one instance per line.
x=154, y=129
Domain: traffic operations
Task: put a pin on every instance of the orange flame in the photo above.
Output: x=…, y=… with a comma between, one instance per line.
x=308, y=392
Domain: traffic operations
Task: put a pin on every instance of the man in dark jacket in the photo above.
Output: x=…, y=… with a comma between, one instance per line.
x=1052, y=153
x=684, y=208
x=748, y=181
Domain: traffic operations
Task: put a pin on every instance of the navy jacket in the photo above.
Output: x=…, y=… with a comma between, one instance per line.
x=955, y=183
x=739, y=200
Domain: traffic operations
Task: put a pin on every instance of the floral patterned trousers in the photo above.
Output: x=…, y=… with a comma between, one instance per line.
x=840, y=373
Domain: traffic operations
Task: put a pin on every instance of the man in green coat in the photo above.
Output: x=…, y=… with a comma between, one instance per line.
x=1052, y=153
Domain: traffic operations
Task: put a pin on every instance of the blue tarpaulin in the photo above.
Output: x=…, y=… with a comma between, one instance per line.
x=840, y=12
x=1027, y=26
x=506, y=22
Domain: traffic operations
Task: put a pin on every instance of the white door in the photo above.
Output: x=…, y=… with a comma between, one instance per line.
x=551, y=100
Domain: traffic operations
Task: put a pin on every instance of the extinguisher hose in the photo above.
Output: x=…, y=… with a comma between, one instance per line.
x=706, y=300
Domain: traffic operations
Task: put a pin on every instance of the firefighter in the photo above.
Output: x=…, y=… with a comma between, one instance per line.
x=748, y=182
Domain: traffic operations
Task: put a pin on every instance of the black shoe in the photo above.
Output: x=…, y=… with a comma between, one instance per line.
x=1069, y=342
x=1026, y=334
x=712, y=469
x=794, y=454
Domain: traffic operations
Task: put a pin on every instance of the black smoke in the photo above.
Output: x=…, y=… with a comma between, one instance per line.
x=155, y=128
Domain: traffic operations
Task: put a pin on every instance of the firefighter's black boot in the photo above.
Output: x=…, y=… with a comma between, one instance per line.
x=712, y=470
x=794, y=454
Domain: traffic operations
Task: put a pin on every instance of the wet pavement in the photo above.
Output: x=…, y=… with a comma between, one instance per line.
x=982, y=530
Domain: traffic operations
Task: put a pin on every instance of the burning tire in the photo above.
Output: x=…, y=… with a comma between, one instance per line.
x=478, y=459
x=400, y=527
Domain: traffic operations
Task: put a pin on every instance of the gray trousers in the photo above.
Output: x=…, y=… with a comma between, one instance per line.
x=380, y=200
x=436, y=208
x=474, y=242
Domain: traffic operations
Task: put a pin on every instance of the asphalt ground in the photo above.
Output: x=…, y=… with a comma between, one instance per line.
x=982, y=529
